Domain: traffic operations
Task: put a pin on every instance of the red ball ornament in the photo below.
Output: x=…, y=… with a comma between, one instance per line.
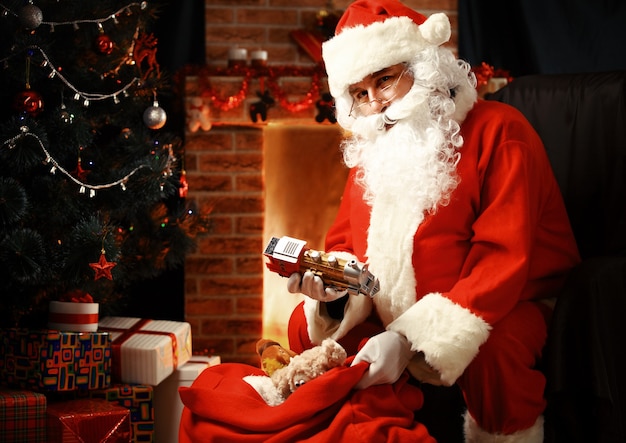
x=104, y=44
x=28, y=101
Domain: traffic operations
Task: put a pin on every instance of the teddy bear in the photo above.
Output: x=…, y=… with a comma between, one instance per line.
x=283, y=379
x=273, y=356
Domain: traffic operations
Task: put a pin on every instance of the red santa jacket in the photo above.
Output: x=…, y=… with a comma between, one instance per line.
x=504, y=237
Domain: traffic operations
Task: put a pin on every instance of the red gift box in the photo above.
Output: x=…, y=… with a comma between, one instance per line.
x=50, y=360
x=88, y=421
x=22, y=416
x=139, y=400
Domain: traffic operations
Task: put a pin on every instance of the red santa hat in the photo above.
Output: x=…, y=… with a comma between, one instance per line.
x=375, y=34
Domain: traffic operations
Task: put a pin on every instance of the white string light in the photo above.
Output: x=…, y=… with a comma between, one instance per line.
x=86, y=97
x=78, y=94
x=75, y=23
x=83, y=187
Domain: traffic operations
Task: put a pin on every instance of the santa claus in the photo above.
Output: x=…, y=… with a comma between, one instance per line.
x=452, y=202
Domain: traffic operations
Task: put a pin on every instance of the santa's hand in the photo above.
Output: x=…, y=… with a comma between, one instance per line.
x=312, y=286
x=388, y=354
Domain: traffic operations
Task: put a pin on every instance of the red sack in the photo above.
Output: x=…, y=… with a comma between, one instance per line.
x=221, y=406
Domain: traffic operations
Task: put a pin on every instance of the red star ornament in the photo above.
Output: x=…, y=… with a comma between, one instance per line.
x=103, y=267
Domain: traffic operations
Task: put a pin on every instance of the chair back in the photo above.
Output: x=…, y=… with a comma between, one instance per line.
x=581, y=119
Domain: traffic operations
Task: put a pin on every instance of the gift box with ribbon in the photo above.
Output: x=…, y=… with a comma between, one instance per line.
x=52, y=360
x=73, y=317
x=146, y=351
x=88, y=421
x=138, y=399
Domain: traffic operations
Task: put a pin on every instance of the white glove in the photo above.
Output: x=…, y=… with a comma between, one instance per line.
x=312, y=286
x=388, y=354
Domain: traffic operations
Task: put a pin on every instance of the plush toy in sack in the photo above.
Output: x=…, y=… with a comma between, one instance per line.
x=287, y=371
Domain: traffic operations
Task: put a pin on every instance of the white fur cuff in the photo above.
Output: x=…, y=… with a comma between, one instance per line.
x=474, y=434
x=449, y=335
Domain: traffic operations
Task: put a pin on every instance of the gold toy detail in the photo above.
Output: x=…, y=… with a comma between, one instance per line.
x=288, y=255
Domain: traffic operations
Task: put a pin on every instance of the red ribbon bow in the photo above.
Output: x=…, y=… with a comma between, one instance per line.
x=77, y=296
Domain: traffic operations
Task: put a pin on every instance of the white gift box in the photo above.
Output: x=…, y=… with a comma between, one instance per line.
x=73, y=316
x=146, y=351
x=168, y=407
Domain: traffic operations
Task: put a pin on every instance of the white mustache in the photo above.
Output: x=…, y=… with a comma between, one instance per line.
x=414, y=105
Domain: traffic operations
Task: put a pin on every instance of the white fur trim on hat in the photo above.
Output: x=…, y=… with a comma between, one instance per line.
x=448, y=334
x=358, y=51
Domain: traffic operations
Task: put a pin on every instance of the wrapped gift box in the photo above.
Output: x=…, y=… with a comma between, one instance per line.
x=167, y=404
x=51, y=360
x=73, y=316
x=139, y=400
x=146, y=351
x=22, y=416
x=88, y=421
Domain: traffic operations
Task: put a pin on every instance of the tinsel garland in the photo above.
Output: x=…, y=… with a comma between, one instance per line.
x=230, y=102
x=305, y=103
x=267, y=75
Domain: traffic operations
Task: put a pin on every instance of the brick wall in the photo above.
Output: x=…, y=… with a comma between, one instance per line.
x=223, y=277
x=265, y=24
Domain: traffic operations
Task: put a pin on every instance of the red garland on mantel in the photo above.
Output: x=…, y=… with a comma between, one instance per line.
x=271, y=73
x=229, y=102
x=309, y=99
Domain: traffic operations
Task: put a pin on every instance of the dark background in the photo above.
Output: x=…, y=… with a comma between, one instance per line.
x=544, y=36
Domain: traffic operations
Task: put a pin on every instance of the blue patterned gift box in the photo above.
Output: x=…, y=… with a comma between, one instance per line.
x=51, y=360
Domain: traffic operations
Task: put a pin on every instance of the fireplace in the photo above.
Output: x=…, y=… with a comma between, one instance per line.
x=255, y=181
x=304, y=179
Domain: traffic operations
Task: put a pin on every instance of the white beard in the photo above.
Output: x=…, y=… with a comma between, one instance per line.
x=407, y=171
x=415, y=158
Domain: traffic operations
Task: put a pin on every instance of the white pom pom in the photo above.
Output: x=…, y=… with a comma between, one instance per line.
x=436, y=29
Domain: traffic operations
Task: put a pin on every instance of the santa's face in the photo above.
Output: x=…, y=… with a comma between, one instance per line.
x=380, y=89
x=403, y=140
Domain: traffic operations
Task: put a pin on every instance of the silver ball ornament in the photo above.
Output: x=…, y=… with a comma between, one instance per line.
x=154, y=117
x=30, y=16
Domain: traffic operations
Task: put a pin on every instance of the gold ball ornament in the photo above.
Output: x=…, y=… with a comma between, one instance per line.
x=154, y=117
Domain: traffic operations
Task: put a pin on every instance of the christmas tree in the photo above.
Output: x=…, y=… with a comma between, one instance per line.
x=92, y=183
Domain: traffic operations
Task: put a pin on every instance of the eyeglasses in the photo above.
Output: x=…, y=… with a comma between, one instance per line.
x=387, y=91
